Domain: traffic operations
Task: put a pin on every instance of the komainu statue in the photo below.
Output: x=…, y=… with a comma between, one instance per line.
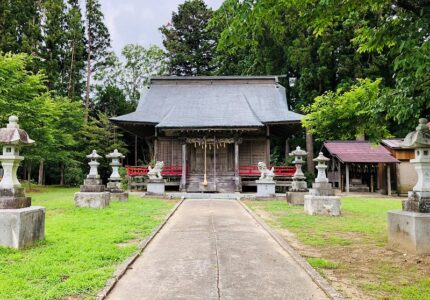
x=266, y=174
x=155, y=173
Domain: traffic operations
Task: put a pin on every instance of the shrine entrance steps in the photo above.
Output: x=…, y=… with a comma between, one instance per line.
x=219, y=184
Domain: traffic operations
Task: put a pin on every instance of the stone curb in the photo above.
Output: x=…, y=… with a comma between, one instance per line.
x=315, y=276
x=122, y=269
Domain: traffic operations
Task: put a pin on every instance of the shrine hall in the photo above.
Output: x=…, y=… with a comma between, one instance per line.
x=211, y=132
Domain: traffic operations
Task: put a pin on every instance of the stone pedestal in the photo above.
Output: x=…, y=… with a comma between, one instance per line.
x=116, y=192
x=92, y=199
x=321, y=200
x=156, y=187
x=14, y=198
x=417, y=202
x=92, y=194
x=265, y=189
x=409, y=231
x=322, y=205
x=296, y=198
x=22, y=227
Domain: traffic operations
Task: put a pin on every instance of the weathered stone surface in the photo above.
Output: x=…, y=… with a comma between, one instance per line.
x=14, y=202
x=21, y=227
x=299, y=186
x=92, y=200
x=92, y=188
x=322, y=205
x=296, y=198
x=114, y=185
x=121, y=197
x=417, y=202
x=409, y=231
x=265, y=189
x=156, y=187
x=93, y=181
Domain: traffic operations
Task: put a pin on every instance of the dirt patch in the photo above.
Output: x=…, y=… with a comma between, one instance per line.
x=363, y=265
x=128, y=243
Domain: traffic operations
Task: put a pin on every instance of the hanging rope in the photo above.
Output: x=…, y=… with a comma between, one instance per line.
x=205, y=180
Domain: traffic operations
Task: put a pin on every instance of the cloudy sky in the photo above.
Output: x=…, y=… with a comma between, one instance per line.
x=137, y=21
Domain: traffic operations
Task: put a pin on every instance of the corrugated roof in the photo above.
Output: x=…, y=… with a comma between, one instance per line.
x=392, y=143
x=359, y=152
x=197, y=103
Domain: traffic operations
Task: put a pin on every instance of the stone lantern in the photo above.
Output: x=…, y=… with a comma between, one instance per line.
x=299, y=183
x=93, y=193
x=20, y=223
x=409, y=229
x=114, y=184
x=321, y=199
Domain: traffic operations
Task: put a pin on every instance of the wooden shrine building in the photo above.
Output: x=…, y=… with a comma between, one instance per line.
x=211, y=132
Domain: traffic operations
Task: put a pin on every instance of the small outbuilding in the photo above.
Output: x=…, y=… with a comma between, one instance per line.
x=406, y=176
x=360, y=166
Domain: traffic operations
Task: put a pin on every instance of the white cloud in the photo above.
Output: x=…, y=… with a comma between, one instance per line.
x=137, y=21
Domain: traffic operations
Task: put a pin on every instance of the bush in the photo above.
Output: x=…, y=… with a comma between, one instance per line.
x=73, y=176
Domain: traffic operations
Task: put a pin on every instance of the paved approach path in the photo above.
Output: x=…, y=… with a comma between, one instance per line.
x=213, y=249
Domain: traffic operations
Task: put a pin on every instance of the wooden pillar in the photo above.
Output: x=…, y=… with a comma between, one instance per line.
x=155, y=145
x=184, y=168
x=388, y=180
x=287, y=148
x=347, y=178
x=310, y=150
x=214, y=163
x=267, y=145
x=135, y=150
x=236, y=166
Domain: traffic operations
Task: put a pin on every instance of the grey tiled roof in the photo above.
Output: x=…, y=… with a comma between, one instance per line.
x=241, y=103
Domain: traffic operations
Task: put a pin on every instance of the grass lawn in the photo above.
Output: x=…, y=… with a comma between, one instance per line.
x=351, y=250
x=82, y=249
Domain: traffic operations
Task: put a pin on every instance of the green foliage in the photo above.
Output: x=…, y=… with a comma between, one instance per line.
x=189, y=44
x=348, y=113
x=131, y=74
x=321, y=263
x=79, y=254
x=73, y=175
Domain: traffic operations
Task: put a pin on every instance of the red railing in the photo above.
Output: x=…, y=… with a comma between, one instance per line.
x=143, y=170
x=280, y=171
x=250, y=171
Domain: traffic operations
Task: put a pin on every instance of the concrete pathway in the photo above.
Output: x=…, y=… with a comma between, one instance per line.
x=213, y=249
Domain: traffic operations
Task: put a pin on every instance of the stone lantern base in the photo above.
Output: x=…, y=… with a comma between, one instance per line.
x=409, y=231
x=266, y=189
x=156, y=187
x=116, y=192
x=92, y=194
x=14, y=198
x=321, y=200
x=21, y=227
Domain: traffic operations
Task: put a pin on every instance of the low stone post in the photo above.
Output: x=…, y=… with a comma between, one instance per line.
x=321, y=199
x=299, y=187
x=93, y=193
x=409, y=228
x=266, y=186
x=20, y=223
x=156, y=184
x=114, y=184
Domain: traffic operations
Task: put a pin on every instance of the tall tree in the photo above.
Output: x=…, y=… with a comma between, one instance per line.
x=132, y=72
x=98, y=43
x=189, y=44
x=20, y=26
x=76, y=54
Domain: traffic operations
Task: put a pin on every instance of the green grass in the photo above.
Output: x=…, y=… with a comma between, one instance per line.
x=321, y=263
x=82, y=249
x=354, y=246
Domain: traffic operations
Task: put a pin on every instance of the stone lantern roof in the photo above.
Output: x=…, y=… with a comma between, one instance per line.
x=13, y=135
x=321, y=158
x=115, y=154
x=94, y=155
x=420, y=138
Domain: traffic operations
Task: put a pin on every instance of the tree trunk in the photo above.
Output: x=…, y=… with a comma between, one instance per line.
x=70, y=88
x=41, y=169
x=61, y=174
x=29, y=175
x=88, y=86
